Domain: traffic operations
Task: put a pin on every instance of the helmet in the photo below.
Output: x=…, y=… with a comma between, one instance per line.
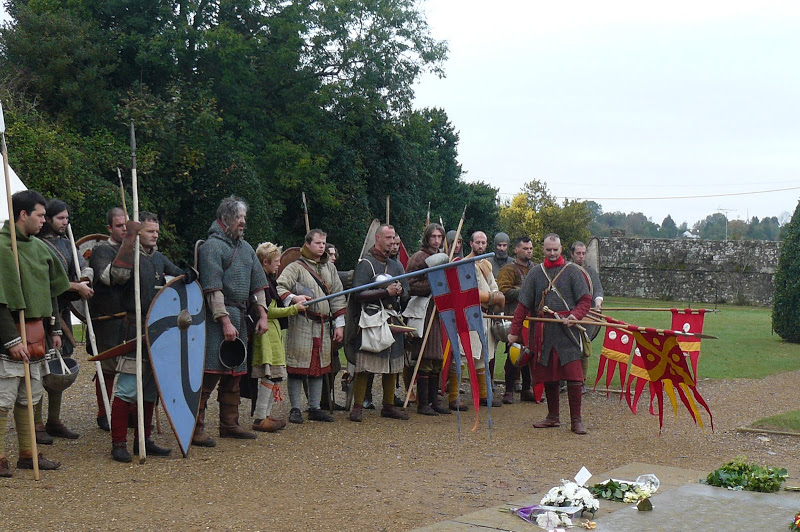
x=382, y=277
x=232, y=353
x=519, y=355
x=57, y=380
x=500, y=329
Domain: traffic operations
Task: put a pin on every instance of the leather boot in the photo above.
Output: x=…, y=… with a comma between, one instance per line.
x=511, y=375
x=5, y=468
x=25, y=461
x=393, y=412
x=119, y=453
x=42, y=437
x=151, y=447
x=229, y=418
x=357, y=412
x=434, y=397
x=57, y=429
x=200, y=436
x=267, y=425
x=423, y=394
x=452, y=391
x=552, y=419
x=482, y=387
x=575, y=395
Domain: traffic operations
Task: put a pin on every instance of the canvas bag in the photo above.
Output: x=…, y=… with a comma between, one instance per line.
x=376, y=336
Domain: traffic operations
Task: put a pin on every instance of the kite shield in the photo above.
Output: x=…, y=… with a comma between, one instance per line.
x=176, y=335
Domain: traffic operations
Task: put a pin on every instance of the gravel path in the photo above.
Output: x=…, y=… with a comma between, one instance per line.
x=380, y=474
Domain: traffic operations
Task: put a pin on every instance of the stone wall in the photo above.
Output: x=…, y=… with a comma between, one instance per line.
x=702, y=271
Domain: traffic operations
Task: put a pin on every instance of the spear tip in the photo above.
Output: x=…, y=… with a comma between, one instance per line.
x=133, y=138
x=2, y=120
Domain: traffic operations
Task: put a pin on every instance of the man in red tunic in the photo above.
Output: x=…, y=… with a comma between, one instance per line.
x=555, y=289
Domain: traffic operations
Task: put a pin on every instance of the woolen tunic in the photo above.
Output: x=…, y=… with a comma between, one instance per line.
x=308, y=338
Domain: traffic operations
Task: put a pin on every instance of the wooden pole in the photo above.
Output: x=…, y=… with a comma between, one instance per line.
x=387, y=209
x=650, y=309
x=13, y=232
x=138, y=303
x=305, y=213
x=90, y=330
x=428, y=216
x=433, y=317
x=604, y=324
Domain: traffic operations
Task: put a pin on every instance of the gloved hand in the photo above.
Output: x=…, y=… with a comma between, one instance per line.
x=189, y=275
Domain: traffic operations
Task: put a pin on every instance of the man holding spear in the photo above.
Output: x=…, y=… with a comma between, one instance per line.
x=29, y=291
x=53, y=233
x=106, y=307
x=154, y=267
x=559, y=289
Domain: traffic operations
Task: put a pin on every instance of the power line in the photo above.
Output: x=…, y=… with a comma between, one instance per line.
x=685, y=197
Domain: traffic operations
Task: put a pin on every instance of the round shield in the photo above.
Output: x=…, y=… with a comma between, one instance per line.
x=86, y=244
x=287, y=257
x=519, y=355
x=232, y=353
x=176, y=336
x=57, y=380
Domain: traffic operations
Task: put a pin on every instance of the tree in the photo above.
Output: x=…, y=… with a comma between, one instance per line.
x=668, y=228
x=712, y=227
x=534, y=212
x=786, y=306
x=265, y=100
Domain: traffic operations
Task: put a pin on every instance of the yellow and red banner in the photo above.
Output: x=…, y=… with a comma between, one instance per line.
x=658, y=359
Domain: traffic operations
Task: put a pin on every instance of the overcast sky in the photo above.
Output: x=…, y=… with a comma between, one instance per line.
x=626, y=99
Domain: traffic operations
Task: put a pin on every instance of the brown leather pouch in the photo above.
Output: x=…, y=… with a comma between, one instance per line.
x=34, y=336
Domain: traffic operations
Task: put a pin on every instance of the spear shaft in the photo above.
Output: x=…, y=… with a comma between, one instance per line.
x=13, y=232
x=90, y=330
x=138, y=303
x=433, y=314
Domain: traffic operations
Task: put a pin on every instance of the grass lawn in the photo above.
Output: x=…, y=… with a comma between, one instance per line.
x=788, y=421
x=746, y=347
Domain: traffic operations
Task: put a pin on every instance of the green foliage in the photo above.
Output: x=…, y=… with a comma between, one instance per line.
x=786, y=305
x=265, y=100
x=634, y=224
x=740, y=474
x=668, y=228
x=535, y=213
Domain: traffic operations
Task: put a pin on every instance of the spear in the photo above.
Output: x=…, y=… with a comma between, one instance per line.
x=626, y=326
x=433, y=314
x=650, y=309
x=138, y=303
x=305, y=213
x=13, y=232
x=90, y=328
x=428, y=216
x=387, y=209
x=122, y=193
x=444, y=240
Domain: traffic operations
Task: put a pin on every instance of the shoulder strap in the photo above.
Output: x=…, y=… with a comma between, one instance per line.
x=322, y=284
x=59, y=254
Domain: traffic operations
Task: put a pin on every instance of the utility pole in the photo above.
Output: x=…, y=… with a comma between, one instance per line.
x=725, y=213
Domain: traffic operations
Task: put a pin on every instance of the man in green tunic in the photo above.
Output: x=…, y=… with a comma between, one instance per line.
x=43, y=279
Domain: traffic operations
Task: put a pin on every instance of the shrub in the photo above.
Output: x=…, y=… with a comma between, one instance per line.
x=786, y=306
